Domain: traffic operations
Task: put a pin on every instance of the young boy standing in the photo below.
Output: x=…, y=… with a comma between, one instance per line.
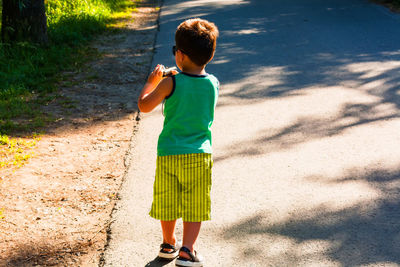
x=184, y=161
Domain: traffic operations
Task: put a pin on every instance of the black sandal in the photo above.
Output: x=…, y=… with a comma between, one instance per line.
x=168, y=251
x=195, y=260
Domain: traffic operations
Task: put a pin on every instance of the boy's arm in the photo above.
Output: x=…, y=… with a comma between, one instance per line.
x=155, y=90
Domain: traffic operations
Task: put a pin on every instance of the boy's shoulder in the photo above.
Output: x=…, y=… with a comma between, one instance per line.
x=214, y=79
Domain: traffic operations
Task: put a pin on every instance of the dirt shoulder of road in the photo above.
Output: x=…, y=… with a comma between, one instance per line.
x=55, y=210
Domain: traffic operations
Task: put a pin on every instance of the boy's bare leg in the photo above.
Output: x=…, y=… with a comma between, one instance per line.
x=168, y=229
x=191, y=231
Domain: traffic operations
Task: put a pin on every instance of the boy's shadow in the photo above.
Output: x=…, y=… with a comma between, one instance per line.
x=158, y=262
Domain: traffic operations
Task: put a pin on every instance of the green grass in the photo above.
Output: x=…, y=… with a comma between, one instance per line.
x=28, y=73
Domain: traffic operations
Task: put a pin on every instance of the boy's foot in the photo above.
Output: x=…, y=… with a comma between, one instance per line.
x=192, y=259
x=168, y=251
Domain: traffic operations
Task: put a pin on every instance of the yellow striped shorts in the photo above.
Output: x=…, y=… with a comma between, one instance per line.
x=182, y=188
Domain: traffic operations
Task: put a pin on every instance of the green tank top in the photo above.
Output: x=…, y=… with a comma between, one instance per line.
x=189, y=114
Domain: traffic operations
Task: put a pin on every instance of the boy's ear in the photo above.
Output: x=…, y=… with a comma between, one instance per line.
x=179, y=54
x=183, y=55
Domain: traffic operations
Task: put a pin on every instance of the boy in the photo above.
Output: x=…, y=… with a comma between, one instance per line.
x=183, y=173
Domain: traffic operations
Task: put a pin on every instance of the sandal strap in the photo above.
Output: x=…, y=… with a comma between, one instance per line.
x=187, y=251
x=167, y=246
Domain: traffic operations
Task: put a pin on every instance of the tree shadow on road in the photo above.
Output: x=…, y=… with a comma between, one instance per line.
x=306, y=129
x=367, y=233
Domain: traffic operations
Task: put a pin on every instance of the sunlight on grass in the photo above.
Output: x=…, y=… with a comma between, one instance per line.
x=119, y=20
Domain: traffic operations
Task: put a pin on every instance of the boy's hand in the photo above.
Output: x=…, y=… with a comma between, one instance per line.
x=155, y=90
x=156, y=76
x=170, y=72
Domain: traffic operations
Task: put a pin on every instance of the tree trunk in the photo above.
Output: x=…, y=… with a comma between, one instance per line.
x=24, y=20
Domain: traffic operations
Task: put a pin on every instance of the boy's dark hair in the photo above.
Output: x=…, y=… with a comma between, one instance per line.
x=197, y=38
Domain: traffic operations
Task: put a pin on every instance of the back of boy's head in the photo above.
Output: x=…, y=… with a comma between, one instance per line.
x=197, y=38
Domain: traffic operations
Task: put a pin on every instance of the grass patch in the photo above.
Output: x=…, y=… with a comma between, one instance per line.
x=120, y=18
x=29, y=73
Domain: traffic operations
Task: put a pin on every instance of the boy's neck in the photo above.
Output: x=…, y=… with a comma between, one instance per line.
x=195, y=70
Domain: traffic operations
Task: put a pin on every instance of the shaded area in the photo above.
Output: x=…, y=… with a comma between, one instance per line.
x=158, y=262
x=43, y=253
x=108, y=89
x=363, y=234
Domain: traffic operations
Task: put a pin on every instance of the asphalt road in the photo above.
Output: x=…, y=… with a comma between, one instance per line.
x=306, y=138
